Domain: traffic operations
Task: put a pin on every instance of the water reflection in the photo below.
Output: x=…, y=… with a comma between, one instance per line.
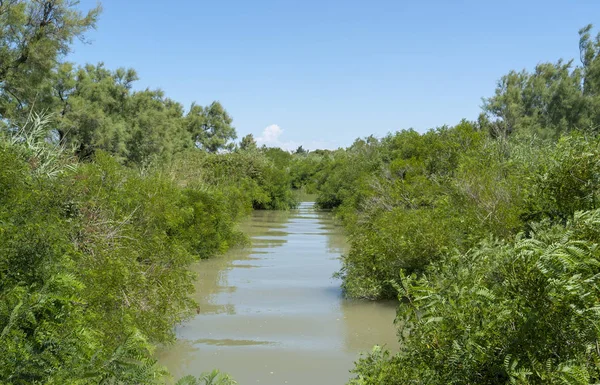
x=363, y=321
x=271, y=312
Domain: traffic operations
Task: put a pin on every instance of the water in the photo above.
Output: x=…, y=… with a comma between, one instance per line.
x=272, y=314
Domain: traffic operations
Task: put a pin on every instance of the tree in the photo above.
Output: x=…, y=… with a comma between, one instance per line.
x=156, y=127
x=300, y=150
x=98, y=111
x=548, y=101
x=34, y=35
x=210, y=127
x=91, y=108
x=555, y=98
x=248, y=143
x=589, y=51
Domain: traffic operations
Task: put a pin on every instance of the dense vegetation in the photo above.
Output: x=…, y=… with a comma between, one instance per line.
x=486, y=231
x=107, y=195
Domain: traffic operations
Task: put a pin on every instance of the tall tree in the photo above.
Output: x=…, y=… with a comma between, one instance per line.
x=34, y=36
x=210, y=127
x=555, y=98
x=92, y=103
x=99, y=111
x=300, y=150
x=590, y=59
x=248, y=143
x=156, y=127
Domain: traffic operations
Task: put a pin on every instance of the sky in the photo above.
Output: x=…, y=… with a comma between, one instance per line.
x=323, y=73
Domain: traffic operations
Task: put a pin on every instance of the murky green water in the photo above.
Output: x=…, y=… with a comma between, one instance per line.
x=272, y=314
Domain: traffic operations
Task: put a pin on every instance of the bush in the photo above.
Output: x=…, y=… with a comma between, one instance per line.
x=95, y=265
x=520, y=312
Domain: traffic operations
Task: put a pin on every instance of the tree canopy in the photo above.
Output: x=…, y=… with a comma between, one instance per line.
x=35, y=36
x=555, y=98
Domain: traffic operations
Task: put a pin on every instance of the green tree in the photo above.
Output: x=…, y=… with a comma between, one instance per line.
x=210, y=127
x=248, y=143
x=92, y=104
x=590, y=58
x=98, y=110
x=555, y=98
x=34, y=36
x=300, y=150
x=155, y=126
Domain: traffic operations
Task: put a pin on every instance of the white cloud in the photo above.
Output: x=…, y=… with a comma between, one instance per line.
x=270, y=135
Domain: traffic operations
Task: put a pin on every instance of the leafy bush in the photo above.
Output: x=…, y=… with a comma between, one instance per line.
x=213, y=378
x=95, y=265
x=506, y=312
x=252, y=177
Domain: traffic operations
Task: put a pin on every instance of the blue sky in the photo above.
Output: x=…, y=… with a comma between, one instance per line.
x=322, y=73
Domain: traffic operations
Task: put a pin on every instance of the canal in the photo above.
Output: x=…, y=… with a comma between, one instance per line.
x=271, y=313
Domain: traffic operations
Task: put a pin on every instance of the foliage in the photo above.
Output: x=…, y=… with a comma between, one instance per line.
x=486, y=231
x=44, y=158
x=210, y=127
x=523, y=312
x=248, y=143
x=409, y=198
x=554, y=99
x=306, y=169
x=95, y=263
x=34, y=35
x=99, y=111
x=213, y=378
x=488, y=235
x=423, y=196
x=567, y=179
x=106, y=199
x=257, y=180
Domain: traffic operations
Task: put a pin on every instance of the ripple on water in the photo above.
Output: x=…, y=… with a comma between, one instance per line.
x=271, y=313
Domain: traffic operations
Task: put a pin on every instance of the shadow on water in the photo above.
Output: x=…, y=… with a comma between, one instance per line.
x=271, y=313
